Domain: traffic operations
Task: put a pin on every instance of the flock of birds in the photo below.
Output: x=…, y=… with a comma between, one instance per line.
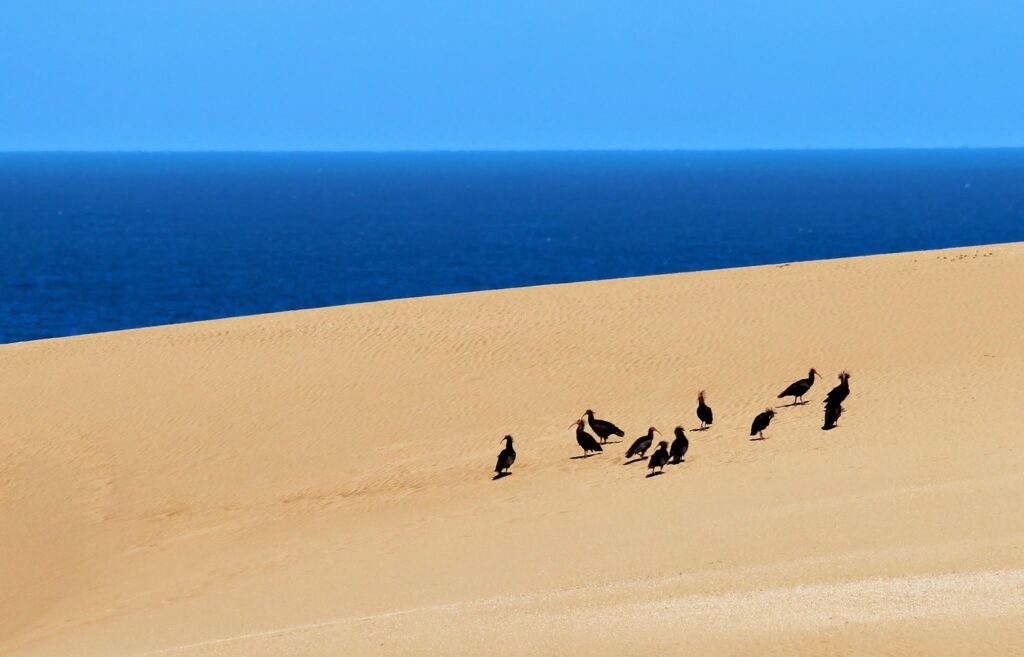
x=675, y=452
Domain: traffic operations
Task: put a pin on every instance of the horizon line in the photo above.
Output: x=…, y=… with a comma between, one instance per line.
x=426, y=151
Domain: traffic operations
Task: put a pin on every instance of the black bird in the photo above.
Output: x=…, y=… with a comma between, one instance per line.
x=832, y=412
x=704, y=413
x=840, y=392
x=761, y=422
x=679, y=446
x=642, y=444
x=603, y=428
x=586, y=441
x=506, y=458
x=659, y=458
x=799, y=388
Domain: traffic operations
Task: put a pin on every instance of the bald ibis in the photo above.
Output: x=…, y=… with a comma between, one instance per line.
x=603, y=428
x=642, y=444
x=659, y=458
x=679, y=446
x=586, y=441
x=761, y=422
x=506, y=458
x=798, y=389
x=704, y=413
x=841, y=391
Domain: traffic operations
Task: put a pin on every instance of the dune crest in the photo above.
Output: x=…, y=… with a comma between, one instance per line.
x=320, y=482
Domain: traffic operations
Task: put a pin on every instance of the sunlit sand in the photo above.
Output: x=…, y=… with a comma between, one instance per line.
x=319, y=483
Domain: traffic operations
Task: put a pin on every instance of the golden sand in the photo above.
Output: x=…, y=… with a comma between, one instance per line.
x=318, y=483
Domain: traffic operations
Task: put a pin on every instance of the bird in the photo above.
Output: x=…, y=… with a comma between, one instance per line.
x=506, y=458
x=659, y=458
x=679, y=446
x=799, y=388
x=832, y=412
x=841, y=391
x=586, y=441
x=603, y=428
x=704, y=413
x=761, y=422
x=642, y=444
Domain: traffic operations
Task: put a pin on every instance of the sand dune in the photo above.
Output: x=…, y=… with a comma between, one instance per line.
x=319, y=483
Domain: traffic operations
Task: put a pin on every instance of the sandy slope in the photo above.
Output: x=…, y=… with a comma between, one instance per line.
x=318, y=483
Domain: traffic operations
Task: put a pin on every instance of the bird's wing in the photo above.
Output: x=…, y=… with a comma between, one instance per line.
x=790, y=390
x=609, y=427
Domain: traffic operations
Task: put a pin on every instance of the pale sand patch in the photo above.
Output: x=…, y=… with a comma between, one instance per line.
x=318, y=483
x=555, y=620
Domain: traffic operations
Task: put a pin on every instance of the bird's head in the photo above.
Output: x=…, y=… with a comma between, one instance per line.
x=662, y=444
x=588, y=413
x=578, y=424
x=651, y=431
x=679, y=431
x=507, y=438
x=813, y=373
x=844, y=376
x=769, y=412
x=700, y=396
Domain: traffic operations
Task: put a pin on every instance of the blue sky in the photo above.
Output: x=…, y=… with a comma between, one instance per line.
x=393, y=75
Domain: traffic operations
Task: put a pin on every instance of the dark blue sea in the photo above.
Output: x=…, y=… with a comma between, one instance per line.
x=95, y=242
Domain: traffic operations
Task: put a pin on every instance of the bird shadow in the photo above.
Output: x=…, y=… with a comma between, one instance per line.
x=582, y=456
x=639, y=460
x=829, y=428
x=699, y=429
x=501, y=475
x=796, y=403
x=655, y=474
x=756, y=438
x=677, y=462
x=611, y=442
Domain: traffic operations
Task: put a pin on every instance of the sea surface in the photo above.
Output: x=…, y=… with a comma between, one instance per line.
x=97, y=242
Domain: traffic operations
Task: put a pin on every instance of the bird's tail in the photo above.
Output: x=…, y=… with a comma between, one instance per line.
x=597, y=447
x=620, y=433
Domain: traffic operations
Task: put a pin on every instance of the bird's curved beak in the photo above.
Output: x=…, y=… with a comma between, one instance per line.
x=574, y=424
x=657, y=432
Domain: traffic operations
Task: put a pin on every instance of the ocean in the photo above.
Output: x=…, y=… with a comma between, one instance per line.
x=98, y=242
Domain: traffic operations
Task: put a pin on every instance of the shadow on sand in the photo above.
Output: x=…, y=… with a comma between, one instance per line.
x=639, y=460
x=655, y=474
x=582, y=456
x=501, y=475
